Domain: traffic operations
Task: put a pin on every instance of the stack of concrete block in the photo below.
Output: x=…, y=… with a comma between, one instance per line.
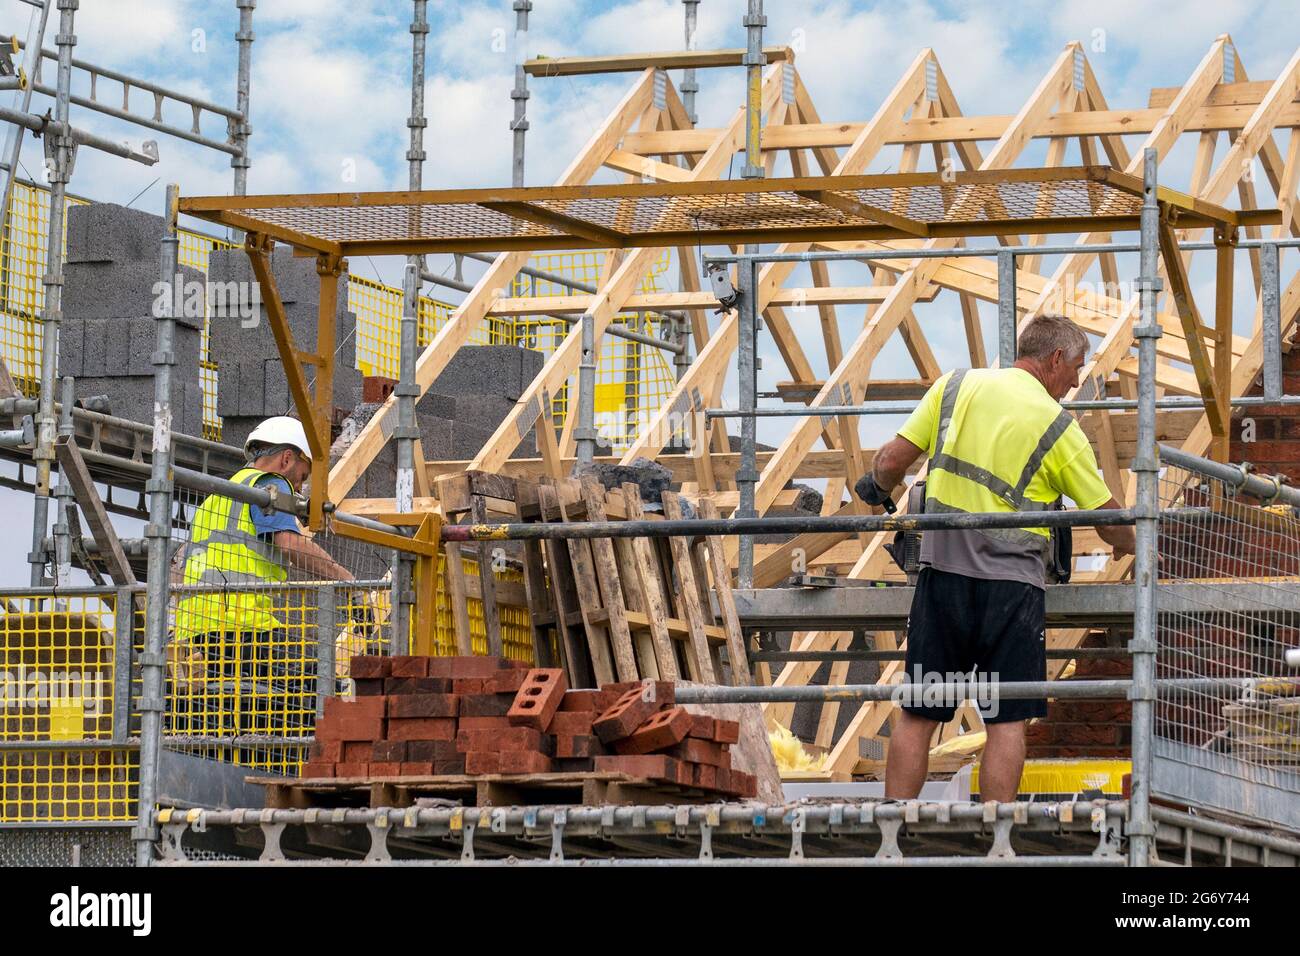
x=109, y=330
x=254, y=385
x=467, y=402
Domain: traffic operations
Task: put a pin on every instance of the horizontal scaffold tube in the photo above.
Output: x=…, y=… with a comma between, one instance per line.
x=1266, y=489
x=785, y=524
x=1010, y=690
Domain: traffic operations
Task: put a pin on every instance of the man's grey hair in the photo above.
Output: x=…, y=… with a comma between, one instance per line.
x=1046, y=333
x=261, y=450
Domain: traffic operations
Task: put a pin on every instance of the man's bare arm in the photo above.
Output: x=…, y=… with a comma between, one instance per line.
x=306, y=555
x=1119, y=536
x=893, y=460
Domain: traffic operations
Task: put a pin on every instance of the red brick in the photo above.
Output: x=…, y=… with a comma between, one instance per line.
x=328, y=751
x=506, y=681
x=422, y=728
x=579, y=701
x=465, y=666
x=1085, y=734
x=505, y=739
x=485, y=705
x=366, y=707
x=360, y=728
x=482, y=723
x=641, y=766
x=620, y=688
x=317, y=768
x=701, y=726
x=410, y=666
x=375, y=389
x=660, y=731
x=450, y=765
x=352, y=770
x=525, y=761
x=393, y=769
x=726, y=731
x=744, y=784
x=369, y=687
x=397, y=686
x=578, y=745
x=571, y=722
x=370, y=667
x=539, y=698
x=479, y=762
x=418, y=768
x=468, y=685
x=705, y=776
x=521, y=665
x=574, y=765
x=356, y=751
x=702, y=751
x=388, y=751
x=632, y=710
x=423, y=705
x=431, y=750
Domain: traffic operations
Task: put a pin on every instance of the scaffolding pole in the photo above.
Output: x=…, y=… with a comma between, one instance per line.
x=59, y=151
x=754, y=60
x=407, y=391
x=1146, y=466
x=240, y=129
x=157, y=532
x=520, y=92
x=689, y=85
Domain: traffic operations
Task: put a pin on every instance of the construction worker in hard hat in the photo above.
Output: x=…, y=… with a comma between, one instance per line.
x=998, y=441
x=235, y=550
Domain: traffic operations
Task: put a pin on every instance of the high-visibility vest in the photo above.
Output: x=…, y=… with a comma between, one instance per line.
x=224, y=552
x=1032, y=539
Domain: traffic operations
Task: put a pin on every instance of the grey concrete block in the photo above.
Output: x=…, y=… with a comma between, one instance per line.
x=72, y=342
x=228, y=390
x=235, y=429
x=436, y=439
x=142, y=334
x=651, y=477
x=482, y=370
x=483, y=411
x=94, y=347
x=436, y=405
x=107, y=290
x=295, y=278
x=275, y=394
x=107, y=232
x=467, y=440
x=530, y=364
x=252, y=388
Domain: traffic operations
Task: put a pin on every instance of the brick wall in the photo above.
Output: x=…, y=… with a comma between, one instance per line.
x=1226, y=646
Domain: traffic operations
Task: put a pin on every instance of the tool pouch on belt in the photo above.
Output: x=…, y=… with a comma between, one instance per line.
x=1061, y=550
x=906, y=548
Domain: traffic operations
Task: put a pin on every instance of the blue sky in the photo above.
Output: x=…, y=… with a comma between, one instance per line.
x=331, y=81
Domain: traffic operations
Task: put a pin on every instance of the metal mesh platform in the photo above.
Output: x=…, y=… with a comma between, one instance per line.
x=912, y=205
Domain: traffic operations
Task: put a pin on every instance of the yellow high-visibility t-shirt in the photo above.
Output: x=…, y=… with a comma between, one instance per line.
x=998, y=419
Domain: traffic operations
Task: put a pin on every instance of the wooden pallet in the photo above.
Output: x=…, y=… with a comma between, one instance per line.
x=592, y=788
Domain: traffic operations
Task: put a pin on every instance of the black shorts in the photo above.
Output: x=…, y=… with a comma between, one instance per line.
x=959, y=625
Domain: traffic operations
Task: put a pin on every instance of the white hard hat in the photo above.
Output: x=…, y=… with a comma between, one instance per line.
x=280, y=430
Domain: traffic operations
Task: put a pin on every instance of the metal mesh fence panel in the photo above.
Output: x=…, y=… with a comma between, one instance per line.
x=1229, y=608
x=62, y=681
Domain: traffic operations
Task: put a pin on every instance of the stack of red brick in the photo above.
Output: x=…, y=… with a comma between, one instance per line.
x=430, y=716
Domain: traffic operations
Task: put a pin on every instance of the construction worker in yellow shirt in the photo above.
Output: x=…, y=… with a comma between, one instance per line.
x=997, y=440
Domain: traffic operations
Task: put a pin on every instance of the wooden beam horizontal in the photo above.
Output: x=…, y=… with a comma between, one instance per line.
x=636, y=62
x=893, y=389
x=817, y=464
x=958, y=129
